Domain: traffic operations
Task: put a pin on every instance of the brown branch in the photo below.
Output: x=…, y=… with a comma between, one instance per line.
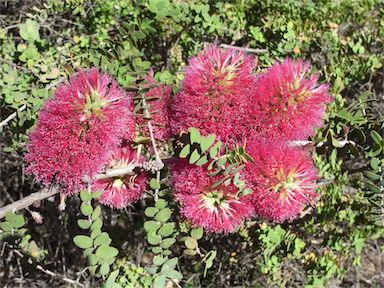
x=13, y=115
x=250, y=50
x=153, y=141
x=27, y=201
x=48, y=192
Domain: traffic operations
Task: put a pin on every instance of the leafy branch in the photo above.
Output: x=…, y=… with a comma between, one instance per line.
x=203, y=150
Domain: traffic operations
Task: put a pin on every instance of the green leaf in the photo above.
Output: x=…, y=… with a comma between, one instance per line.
x=86, y=209
x=151, y=211
x=168, y=242
x=222, y=161
x=97, y=224
x=102, y=239
x=151, y=226
x=153, y=239
x=88, y=251
x=83, y=223
x=6, y=226
x=194, y=135
x=375, y=163
x=154, y=184
x=372, y=187
x=203, y=160
x=246, y=191
x=167, y=229
x=171, y=273
x=163, y=215
x=189, y=252
x=190, y=243
x=219, y=182
x=159, y=281
x=106, y=252
x=83, y=241
x=16, y=220
x=96, y=194
x=96, y=213
x=92, y=259
x=85, y=196
x=213, y=152
x=161, y=203
x=194, y=157
x=29, y=30
x=185, y=151
x=112, y=278
x=197, y=233
x=167, y=252
x=377, y=138
x=371, y=175
x=206, y=142
x=95, y=233
x=157, y=250
x=158, y=260
x=172, y=262
x=104, y=269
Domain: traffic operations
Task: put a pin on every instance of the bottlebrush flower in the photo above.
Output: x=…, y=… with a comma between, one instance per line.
x=287, y=103
x=159, y=110
x=77, y=128
x=215, y=209
x=119, y=191
x=282, y=178
x=214, y=93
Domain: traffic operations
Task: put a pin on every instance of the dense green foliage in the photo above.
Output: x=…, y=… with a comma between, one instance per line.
x=344, y=40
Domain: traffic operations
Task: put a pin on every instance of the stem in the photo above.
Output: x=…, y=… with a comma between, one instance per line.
x=48, y=192
x=153, y=141
x=251, y=50
x=13, y=115
x=29, y=200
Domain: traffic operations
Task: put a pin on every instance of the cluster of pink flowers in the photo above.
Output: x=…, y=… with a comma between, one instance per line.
x=80, y=132
x=89, y=126
x=222, y=95
x=213, y=94
x=217, y=209
x=119, y=191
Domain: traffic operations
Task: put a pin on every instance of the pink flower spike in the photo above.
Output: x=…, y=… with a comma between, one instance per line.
x=217, y=210
x=119, y=191
x=283, y=180
x=77, y=129
x=289, y=105
x=214, y=94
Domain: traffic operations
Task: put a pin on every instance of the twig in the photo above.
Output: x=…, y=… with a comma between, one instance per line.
x=13, y=115
x=48, y=192
x=48, y=272
x=27, y=201
x=10, y=63
x=11, y=26
x=54, y=275
x=153, y=141
x=48, y=87
x=109, y=173
x=250, y=50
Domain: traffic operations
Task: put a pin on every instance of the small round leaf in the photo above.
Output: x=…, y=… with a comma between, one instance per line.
x=86, y=209
x=197, y=233
x=163, y=215
x=85, y=196
x=106, y=252
x=83, y=223
x=151, y=211
x=83, y=241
